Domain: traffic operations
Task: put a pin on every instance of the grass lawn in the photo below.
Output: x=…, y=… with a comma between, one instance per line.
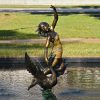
x=81, y=50
x=18, y=50
x=47, y=6
x=23, y=25
x=69, y=50
x=23, y=6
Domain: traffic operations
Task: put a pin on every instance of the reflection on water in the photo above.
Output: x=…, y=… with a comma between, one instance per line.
x=13, y=86
x=84, y=78
x=14, y=83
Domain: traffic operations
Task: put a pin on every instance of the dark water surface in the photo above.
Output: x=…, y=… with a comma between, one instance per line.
x=80, y=83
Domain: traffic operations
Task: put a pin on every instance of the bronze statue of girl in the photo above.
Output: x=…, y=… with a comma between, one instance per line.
x=52, y=38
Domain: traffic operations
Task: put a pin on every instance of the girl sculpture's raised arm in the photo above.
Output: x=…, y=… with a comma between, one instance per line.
x=55, y=18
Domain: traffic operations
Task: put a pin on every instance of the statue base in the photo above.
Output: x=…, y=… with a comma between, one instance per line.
x=48, y=95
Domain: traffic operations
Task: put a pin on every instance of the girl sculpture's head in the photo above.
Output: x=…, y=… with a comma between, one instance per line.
x=43, y=29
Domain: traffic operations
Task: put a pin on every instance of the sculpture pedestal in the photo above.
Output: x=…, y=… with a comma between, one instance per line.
x=48, y=95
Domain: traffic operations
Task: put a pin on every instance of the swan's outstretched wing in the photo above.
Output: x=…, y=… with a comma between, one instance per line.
x=30, y=65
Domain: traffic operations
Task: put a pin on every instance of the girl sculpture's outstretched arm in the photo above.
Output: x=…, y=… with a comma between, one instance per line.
x=55, y=18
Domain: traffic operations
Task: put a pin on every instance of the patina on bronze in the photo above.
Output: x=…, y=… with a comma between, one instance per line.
x=53, y=40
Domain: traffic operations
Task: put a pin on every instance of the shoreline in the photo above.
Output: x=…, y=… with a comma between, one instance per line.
x=19, y=62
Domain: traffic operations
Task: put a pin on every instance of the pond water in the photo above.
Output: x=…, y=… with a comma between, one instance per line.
x=80, y=83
